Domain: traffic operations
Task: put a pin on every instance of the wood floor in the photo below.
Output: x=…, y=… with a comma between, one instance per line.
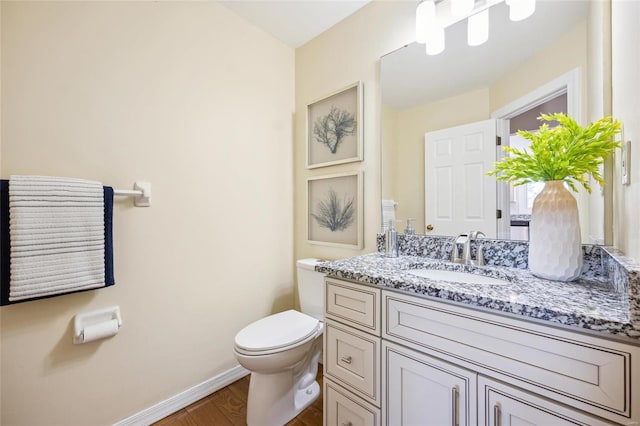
x=228, y=406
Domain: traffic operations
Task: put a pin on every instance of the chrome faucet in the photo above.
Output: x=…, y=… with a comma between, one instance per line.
x=455, y=258
x=466, y=249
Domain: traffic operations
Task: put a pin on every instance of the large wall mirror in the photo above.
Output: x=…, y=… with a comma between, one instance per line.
x=550, y=62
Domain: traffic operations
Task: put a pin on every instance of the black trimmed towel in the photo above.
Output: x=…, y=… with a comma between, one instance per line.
x=60, y=237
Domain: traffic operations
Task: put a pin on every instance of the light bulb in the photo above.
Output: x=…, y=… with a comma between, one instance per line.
x=461, y=8
x=478, y=28
x=521, y=9
x=435, y=40
x=425, y=18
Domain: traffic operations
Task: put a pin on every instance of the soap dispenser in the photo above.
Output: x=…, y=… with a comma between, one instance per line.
x=409, y=230
x=391, y=240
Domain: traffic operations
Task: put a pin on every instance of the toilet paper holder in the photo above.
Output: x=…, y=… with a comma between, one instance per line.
x=95, y=318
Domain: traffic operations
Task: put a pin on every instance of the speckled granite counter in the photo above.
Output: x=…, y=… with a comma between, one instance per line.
x=598, y=302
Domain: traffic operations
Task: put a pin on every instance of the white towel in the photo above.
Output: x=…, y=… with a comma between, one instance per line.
x=57, y=236
x=388, y=213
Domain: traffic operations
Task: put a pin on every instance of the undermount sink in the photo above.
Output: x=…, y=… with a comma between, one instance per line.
x=456, y=276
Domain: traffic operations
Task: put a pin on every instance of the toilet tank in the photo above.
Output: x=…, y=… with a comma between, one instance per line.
x=310, y=288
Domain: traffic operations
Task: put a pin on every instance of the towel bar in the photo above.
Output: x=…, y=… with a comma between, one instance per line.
x=141, y=191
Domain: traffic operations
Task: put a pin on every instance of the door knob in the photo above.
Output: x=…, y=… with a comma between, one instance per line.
x=429, y=227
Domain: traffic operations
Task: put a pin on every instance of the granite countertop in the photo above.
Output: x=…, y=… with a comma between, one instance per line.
x=591, y=304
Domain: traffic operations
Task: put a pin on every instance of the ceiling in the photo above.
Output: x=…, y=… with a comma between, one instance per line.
x=294, y=22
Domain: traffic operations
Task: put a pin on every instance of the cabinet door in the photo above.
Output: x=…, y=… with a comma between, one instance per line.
x=424, y=391
x=503, y=405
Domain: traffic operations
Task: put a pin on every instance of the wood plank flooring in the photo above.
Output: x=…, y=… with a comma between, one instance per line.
x=228, y=407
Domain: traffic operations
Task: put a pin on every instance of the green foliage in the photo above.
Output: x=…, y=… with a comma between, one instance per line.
x=567, y=152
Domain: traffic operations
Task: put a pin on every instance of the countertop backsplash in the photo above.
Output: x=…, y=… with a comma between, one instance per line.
x=598, y=263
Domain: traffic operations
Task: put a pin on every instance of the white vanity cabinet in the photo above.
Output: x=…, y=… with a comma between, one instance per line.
x=423, y=362
x=352, y=390
x=526, y=371
x=425, y=391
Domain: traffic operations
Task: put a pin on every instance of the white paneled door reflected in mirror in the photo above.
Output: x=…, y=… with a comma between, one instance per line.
x=538, y=65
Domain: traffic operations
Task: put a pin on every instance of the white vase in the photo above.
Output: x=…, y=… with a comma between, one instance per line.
x=555, y=250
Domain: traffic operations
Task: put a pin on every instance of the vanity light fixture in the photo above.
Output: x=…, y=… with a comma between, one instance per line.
x=478, y=28
x=432, y=17
x=425, y=18
x=521, y=9
x=435, y=41
x=427, y=29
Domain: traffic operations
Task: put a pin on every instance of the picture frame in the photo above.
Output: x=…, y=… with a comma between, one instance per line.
x=335, y=128
x=335, y=210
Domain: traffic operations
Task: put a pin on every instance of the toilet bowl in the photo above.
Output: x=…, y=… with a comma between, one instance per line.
x=282, y=352
x=283, y=370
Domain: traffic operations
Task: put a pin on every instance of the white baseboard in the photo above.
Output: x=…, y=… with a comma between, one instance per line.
x=185, y=398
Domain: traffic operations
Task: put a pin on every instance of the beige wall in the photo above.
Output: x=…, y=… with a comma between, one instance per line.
x=348, y=52
x=195, y=100
x=626, y=107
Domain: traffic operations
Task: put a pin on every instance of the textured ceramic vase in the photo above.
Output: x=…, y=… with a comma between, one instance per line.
x=555, y=249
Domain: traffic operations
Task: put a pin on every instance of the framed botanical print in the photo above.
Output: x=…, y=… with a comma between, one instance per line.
x=334, y=128
x=335, y=210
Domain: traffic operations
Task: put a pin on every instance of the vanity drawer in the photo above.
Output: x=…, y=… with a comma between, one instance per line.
x=342, y=408
x=355, y=304
x=352, y=358
x=575, y=369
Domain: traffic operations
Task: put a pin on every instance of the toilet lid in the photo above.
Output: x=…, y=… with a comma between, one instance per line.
x=276, y=331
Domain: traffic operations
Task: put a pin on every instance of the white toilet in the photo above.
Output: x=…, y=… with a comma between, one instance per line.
x=282, y=352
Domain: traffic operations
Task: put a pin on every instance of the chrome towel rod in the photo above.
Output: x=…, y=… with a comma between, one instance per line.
x=128, y=192
x=141, y=191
